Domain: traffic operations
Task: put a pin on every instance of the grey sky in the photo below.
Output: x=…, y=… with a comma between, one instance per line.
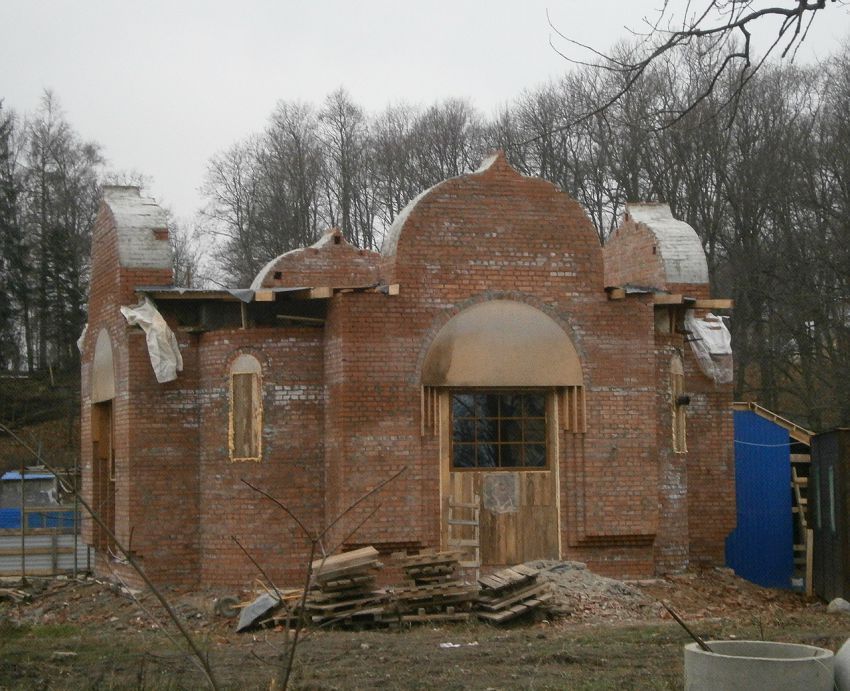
x=163, y=85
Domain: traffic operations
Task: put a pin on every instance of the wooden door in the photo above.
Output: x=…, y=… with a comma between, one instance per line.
x=103, y=475
x=519, y=507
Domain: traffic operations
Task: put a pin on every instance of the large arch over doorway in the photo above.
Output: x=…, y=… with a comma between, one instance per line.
x=496, y=371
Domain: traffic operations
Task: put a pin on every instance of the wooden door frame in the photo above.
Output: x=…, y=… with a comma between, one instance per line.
x=553, y=416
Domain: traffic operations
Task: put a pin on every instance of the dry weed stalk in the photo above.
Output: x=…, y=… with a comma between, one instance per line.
x=199, y=657
x=315, y=539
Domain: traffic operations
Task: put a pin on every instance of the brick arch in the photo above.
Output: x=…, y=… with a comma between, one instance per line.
x=256, y=353
x=102, y=384
x=566, y=322
x=500, y=342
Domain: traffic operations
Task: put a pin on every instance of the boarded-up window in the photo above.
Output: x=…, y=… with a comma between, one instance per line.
x=677, y=390
x=246, y=410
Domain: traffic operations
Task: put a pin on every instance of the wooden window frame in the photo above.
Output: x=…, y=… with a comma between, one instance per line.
x=545, y=393
x=246, y=365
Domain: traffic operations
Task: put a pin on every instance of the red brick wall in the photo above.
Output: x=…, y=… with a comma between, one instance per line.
x=631, y=256
x=292, y=465
x=711, y=465
x=342, y=403
x=672, y=550
x=334, y=262
x=111, y=287
x=489, y=235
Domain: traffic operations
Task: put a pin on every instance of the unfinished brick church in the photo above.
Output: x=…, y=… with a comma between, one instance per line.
x=494, y=353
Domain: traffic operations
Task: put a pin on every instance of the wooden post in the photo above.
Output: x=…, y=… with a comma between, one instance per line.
x=810, y=539
x=54, y=553
x=75, y=526
x=23, y=527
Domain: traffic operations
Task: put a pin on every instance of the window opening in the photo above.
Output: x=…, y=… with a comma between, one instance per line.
x=678, y=406
x=498, y=429
x=246, y=410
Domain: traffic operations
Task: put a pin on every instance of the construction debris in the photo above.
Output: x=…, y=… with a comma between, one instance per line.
x=14, y=595
x=435, y=591
x=579, y=593
x=252, y=614
x=838, y=604
x=344, y=589
x=510, y=593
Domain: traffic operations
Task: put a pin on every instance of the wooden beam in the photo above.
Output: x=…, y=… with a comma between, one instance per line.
x=810, y=542
x=264, y=296
x=297, y=318
x=715, y=304
x=616, y=293
x=393, y=289
x=190, y=295
x=668, y=299
x=321, y=293
x=795, y=431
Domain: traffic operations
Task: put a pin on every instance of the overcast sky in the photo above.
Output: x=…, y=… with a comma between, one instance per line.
x=164, y=84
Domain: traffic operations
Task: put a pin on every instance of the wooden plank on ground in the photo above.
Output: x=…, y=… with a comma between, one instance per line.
x=358, y=556
x=501, y=603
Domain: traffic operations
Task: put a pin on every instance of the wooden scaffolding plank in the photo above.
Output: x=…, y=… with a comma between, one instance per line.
x=795, y=431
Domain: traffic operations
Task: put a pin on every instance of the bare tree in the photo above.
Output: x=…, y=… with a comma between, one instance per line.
x=61, y=196
x=291, y=167
x=722, y=29
x=231, y=187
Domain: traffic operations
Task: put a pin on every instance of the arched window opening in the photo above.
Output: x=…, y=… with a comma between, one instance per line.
x=246, y=409
x=678, y=404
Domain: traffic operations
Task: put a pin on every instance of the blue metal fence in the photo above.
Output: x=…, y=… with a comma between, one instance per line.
x=761, y=548
x=11, y=519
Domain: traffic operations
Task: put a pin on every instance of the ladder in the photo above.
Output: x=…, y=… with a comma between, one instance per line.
x=463, y=520
x=799, y=507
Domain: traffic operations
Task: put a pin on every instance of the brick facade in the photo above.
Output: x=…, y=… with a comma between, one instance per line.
x=342, y=392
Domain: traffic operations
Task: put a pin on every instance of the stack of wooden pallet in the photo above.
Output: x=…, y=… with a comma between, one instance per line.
x=509, y=593
x=434, y=591
x=344, y=589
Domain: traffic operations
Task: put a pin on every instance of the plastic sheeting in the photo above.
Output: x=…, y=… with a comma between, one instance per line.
x=82, y=339
x=162, y=343
x=712, y=346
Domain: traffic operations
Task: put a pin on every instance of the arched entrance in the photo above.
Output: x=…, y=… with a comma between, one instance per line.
x=501, y=374
x=102, y=436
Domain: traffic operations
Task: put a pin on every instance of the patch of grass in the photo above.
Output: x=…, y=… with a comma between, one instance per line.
x=53, y=631
x=10, y=630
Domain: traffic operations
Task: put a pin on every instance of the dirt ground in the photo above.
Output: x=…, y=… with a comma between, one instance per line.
x=597, y=634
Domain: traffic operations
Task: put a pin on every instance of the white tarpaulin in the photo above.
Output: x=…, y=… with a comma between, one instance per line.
x=82, y=339
x=712, y=345
x=162, y=343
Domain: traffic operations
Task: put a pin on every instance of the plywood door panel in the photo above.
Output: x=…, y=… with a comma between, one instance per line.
x=528, y=531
